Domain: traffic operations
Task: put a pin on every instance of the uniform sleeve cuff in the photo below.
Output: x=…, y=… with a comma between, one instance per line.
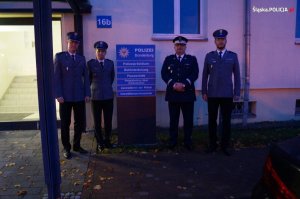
x=189, y=81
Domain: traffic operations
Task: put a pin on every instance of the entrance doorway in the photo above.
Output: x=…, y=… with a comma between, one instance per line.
x=18, y=80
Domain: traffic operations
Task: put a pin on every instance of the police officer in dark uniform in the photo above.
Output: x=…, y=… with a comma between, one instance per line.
x=179, y=72
x=71, y=91
x=219, y=90
x=102, y=75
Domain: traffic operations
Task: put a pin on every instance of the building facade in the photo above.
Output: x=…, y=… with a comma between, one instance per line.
x=268, y=62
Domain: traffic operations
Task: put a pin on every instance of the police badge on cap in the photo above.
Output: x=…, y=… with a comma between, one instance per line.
x=73, y=36
x=221, y=33
x=100, y=45
x=180, y=40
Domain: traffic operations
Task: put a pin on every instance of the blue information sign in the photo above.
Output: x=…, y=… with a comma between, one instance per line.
x=135, y=70
x=104, y=22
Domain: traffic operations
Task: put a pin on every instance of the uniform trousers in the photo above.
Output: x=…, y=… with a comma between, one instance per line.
x=107, y=107
x=187, y=109
x=65, y=110
x=225, y=105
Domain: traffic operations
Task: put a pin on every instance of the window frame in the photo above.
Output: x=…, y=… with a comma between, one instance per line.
x=203, y=24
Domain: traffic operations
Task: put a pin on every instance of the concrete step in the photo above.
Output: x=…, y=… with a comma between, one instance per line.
x=20, y=96
x=19, y=102
x=19, y=109
x=32, y=91
x=25, y=79
x=23, y=85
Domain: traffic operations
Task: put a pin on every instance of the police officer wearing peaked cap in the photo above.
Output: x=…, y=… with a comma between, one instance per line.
x=71, y=91
x=180, y=40
x=179, y=72
x=219, y=90
x=221, y=33
x=101, y=45
x=102, y=75
x=73, y=36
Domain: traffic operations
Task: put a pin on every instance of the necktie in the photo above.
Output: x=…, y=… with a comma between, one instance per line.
x=73, y=57
x=179, y=58
x=101, y=65
x=220, y=54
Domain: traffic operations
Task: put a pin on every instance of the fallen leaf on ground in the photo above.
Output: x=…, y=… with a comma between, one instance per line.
x=86, y=185
x=181, y=187
x=77, y=182
x=132, y=173
x=17, y=185
x=11, y=164
x=21, y=192
x=105, y=178
x=97, y=187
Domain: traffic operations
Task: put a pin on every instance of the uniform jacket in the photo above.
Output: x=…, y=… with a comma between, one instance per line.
x=217, y=75
x=185, y=72
x=71, y=79
x=101, y=79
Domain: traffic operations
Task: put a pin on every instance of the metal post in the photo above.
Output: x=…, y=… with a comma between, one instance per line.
x=247, y=62
x=47, y=110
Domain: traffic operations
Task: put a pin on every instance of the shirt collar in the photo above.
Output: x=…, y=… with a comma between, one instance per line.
x=223, y=51
x=180, y=55
x=72, y=54
x=100, y=60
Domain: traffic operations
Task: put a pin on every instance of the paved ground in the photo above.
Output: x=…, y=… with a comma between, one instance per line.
x=151, y=174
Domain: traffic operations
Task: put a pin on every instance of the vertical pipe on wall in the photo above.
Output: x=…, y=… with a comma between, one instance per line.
x=247, y=61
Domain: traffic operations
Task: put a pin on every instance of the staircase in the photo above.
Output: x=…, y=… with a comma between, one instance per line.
x=21, y=96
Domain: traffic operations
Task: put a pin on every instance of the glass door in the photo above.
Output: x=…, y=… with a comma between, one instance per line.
x=18, y=81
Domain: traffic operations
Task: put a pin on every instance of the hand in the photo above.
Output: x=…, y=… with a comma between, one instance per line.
x=236, y=98
x=60, y=100
x=87, y=99
x=204, y=97
x=179, y=87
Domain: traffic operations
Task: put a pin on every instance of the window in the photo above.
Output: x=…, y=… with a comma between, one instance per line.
x=179, y=17
x=298, y=23
x=297, y=108
x=238, y=109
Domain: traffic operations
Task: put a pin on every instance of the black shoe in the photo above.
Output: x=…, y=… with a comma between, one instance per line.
x=189, y=147
x=80, y=150
x=67, y=154
x=211, y=149
x=226, y=152
x=99, y=148
x=108, y=145
x=172, y=146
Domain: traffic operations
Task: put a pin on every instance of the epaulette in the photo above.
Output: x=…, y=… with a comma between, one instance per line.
x=231, y=52
x=60, y=53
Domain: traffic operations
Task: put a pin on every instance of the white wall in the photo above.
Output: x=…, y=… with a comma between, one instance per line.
x=274, y=57
x=275, y=104
x=17, y=54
